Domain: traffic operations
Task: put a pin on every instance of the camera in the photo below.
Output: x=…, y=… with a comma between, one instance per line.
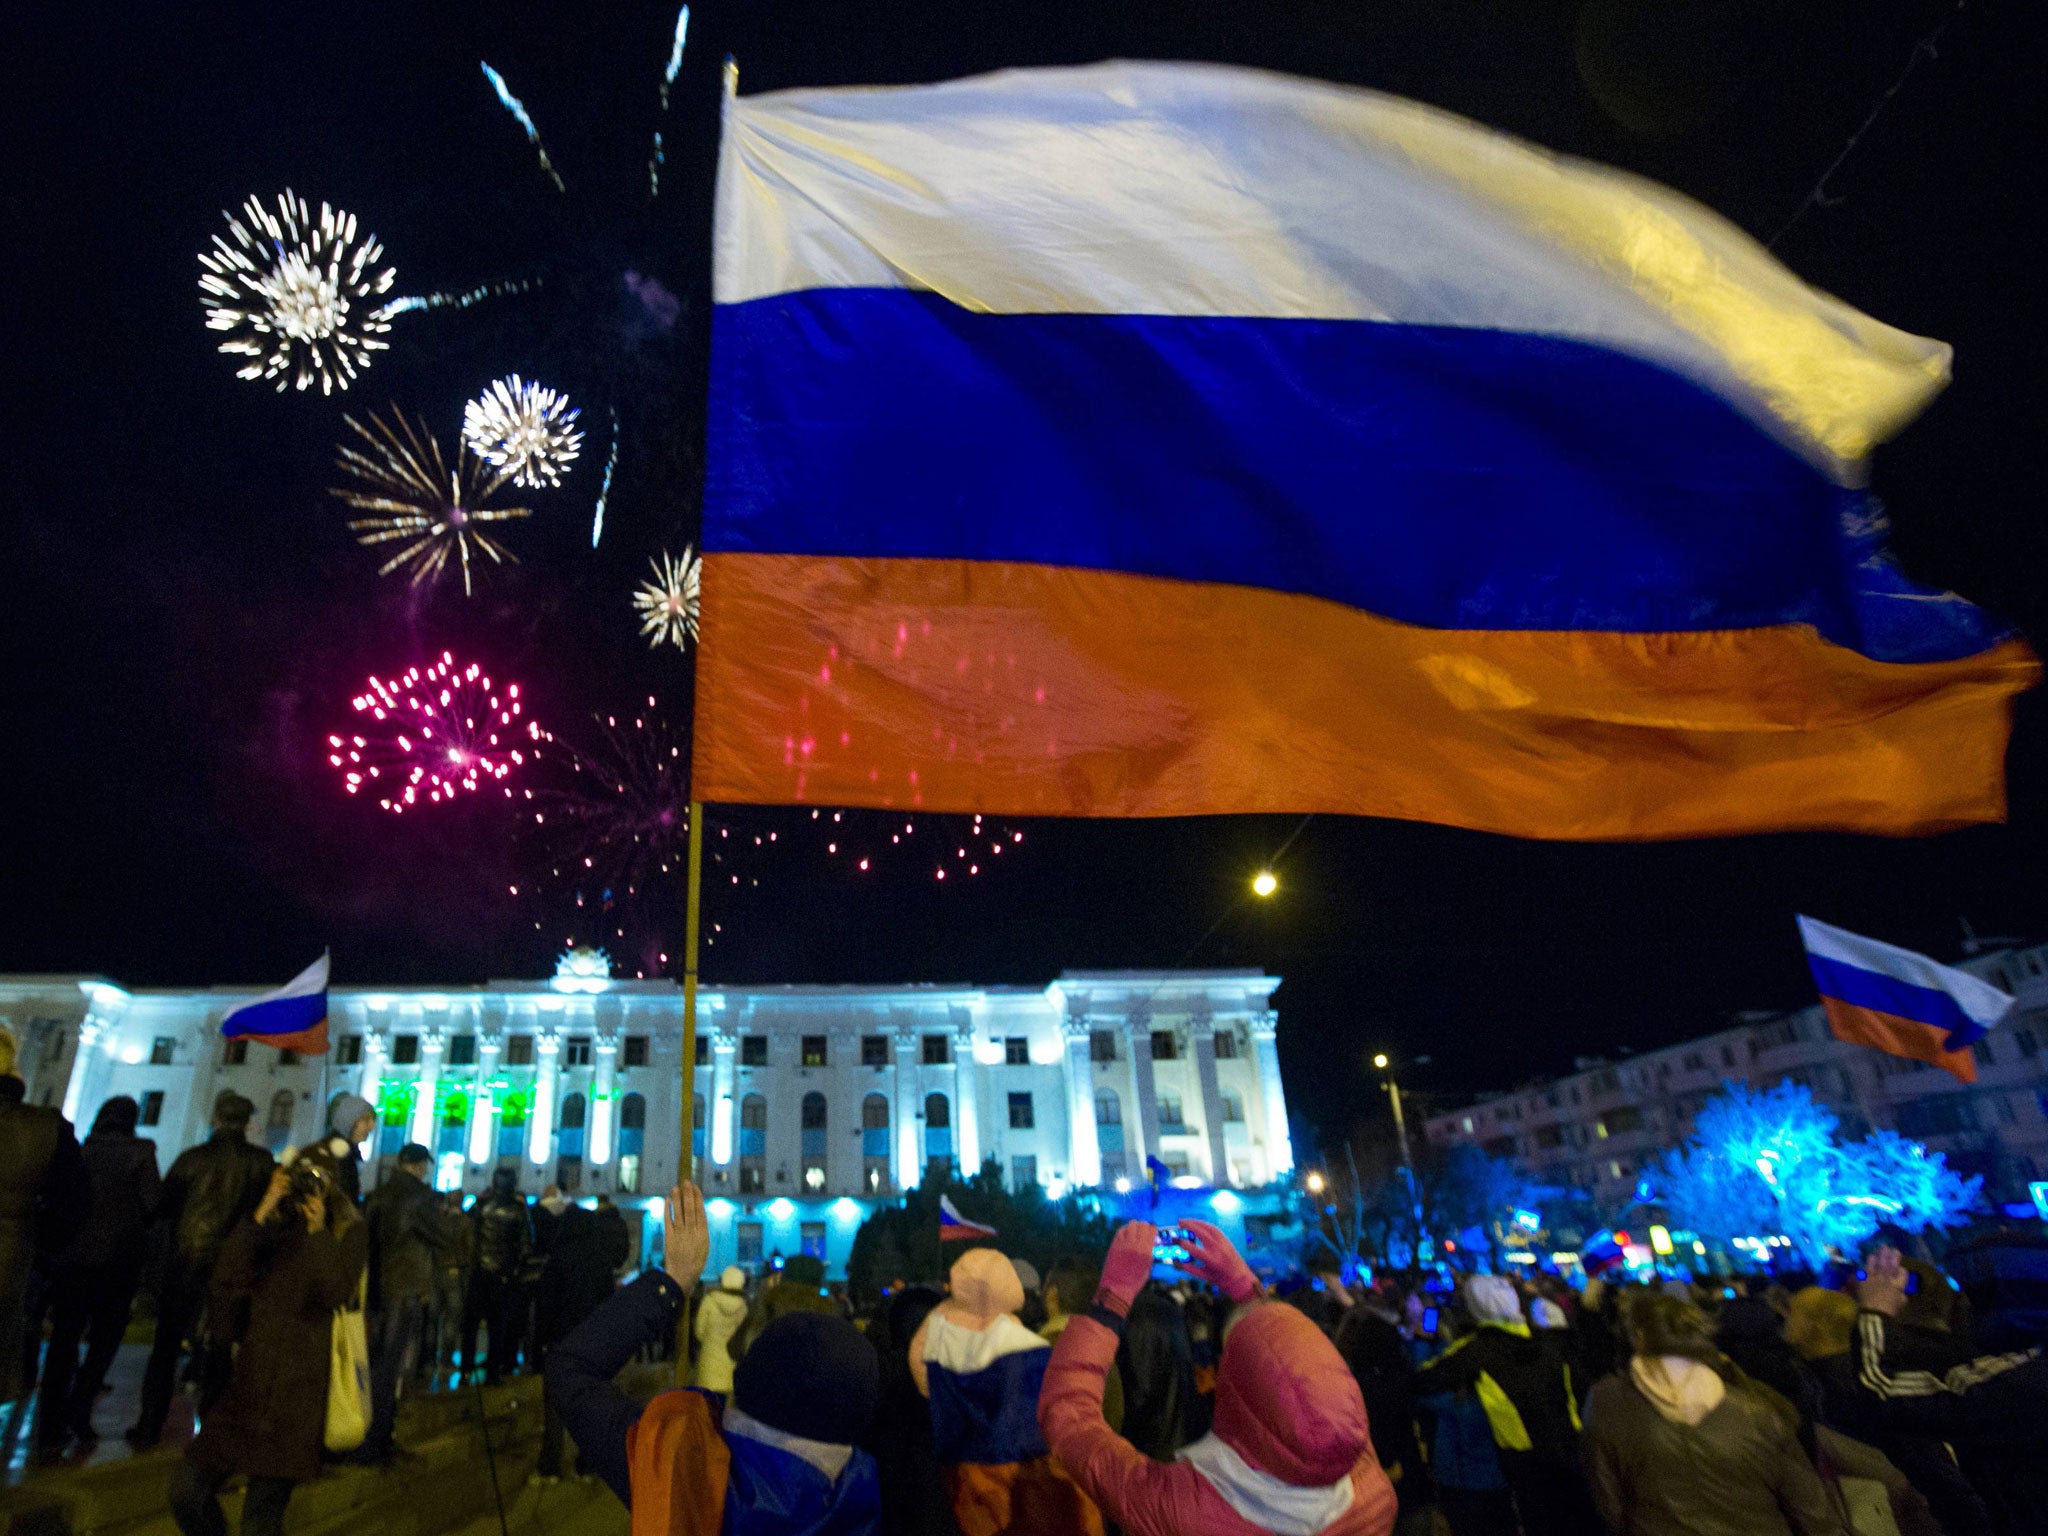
x=1171, y=1246
x=308, y=1174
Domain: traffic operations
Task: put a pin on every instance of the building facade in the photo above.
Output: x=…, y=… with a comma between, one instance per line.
x=808, y=1105
x=1598, y=1129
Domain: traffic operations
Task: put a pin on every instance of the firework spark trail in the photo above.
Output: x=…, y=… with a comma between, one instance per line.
x=294, y=294
x=604, y=490
x=517, y=108
x=457, y=298
x=668, y=604
x=416, y=498
x=668, y=78
x=523, y=430
x=431, y=733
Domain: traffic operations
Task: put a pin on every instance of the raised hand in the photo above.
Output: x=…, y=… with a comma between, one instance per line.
x=1212, y=1258
x=686, y=1236
x=1883, y=1288
x=1128, y=1265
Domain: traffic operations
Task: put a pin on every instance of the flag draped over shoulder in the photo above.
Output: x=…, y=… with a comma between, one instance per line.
x=1898, y=1001
x=1160, y=439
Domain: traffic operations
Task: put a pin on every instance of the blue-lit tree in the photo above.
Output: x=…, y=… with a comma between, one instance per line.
x=1763, y=1164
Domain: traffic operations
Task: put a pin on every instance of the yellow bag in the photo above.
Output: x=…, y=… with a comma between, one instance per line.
x=348, y=1376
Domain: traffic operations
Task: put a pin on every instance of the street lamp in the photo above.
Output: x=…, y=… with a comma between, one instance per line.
x=1265, y=883
x=1315, y=1183
x=1382, y=1063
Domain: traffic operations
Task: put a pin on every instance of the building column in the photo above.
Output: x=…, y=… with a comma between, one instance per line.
x=724, y=1113
x=909, y=1105
x=1202, y=1039
x=1138, y=1035
x=966, y=1101
x=1279, y=1144
x=482, y=1148
x=88, y=1063
x=424, y=1119
x=376, y=1056
x=1084, y=1144
x=540, y=1126
x=599, y=1148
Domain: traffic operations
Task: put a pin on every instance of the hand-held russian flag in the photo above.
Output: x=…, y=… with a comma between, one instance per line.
x=1899, y=1002
x=293, y=1018
x=1154, y=439
x=955, y=1228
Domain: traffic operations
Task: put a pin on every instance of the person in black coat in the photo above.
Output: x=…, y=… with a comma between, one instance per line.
x=899, y=1437
x=585, y=1251
x=409, y=1232
x=503, y=1224
x=43, y=1195
x=282, y=1274
x=97, y=1274
x=1157, y=1363
x=210, y=1189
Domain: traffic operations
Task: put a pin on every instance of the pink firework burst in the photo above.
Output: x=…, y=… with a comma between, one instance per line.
x=433, y=733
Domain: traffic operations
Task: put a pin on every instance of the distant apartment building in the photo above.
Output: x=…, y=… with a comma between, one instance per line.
x=1598, y=1129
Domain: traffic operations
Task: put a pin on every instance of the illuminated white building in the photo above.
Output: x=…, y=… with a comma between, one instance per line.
x=809, y=1103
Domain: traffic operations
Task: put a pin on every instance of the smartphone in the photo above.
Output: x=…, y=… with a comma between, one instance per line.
x=1170, y=1246
x=1429, y=1317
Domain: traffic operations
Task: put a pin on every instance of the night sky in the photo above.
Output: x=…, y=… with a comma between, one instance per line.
x=186, y=616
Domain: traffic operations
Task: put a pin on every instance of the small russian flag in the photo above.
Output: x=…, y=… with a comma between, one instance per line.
x=955, y=1228
x=1900, y=1002
x=293, y=1018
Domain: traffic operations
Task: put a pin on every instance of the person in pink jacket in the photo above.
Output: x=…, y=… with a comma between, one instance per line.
x=1291, y=1452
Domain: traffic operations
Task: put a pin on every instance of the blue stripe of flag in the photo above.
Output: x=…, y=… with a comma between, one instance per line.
x=1901, y=999
x=276, y=1016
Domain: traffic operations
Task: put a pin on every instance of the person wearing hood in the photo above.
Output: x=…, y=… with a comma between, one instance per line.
x=1291, y=1451
x=981, y=1369
x=97, y=1275
x=719, y=1317
x=777, y=1459
x=351, y=1121
x=1525, y=1384
x=1683, y=1444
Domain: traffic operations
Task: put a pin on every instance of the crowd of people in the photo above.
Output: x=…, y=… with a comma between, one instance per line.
x=1125, y=1394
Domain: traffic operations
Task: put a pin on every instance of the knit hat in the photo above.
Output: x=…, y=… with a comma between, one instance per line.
x=984, y=1288
x=345, y=1111
x=1545, y=1313
x=804, y=1269
x=732, y=1278
x=811, y=1375
x=231, y=1110
x=1492, y=1299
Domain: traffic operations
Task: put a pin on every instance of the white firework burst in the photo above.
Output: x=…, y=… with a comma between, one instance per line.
x=668, y=604
x=296, y=295
x=527, y=432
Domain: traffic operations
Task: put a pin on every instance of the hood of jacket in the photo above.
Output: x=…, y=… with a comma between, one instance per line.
x=1263, y=1500
x=775, y=1492
x=1682, y=1390
x=1286, y=1402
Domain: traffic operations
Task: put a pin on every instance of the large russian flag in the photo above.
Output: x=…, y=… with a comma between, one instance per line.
x=1900, y=1002
x=293, y=1018
x=1155, y=439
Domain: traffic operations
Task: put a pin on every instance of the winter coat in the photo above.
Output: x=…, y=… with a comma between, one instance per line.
x=287, y=1282
x=126, y=1189
x=1379, y=1362
x=44, y=1195
x=719, y=1317
x=208, y=1191
x=581, y=1270
x=768, y=1492
x=504, y=1233
x=786, y=1296
x=1927, y=1462
x=409, y=1232
x=1738, y=1472
x=1291, y=1434
x=1522, y=1381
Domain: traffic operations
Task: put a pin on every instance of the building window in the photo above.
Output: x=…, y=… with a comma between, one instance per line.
x=1233, y=1109
x=287, y=1058
x=1226, y=1045
x=161, y=1051
x=348, y=1051
x=234, y=1052
x=1982, y=1051
x=753, y=1144
x=810, y=1237
x=1016, y=1051
x=633, y=1051
x=937, y=1050
x=576, y=1051
x=753, y=1050
x=152, y=1107
x=1023, y=1174
x=1021, y=1116
x=569, y=1173
x=570, y=1128
x=1109, y=1132
x=702, y=1051
x=278, y=1127
x=1169, y=1115
x=938, y=1130
x=874, y=1050
x=1619, y=1122
x=462, y=1050
x=1727, y=1056
x=2025, y=1042
x=749, y=1234
x=814, y=1050
x=1176, y=1163
x=405, y=1050
x=1467, y=1124
x=1101, y=1045
x=519, y=1050
x=697, y=1117
x=813, y=1128
x=874, y=1144
x=1163, y=1045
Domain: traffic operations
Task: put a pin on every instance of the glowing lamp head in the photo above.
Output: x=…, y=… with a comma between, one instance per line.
x=1315, y=1183
x=1380, y=1061
x=1265, y=883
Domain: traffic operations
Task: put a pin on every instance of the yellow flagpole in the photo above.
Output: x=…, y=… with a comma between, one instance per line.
x=691, y=910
